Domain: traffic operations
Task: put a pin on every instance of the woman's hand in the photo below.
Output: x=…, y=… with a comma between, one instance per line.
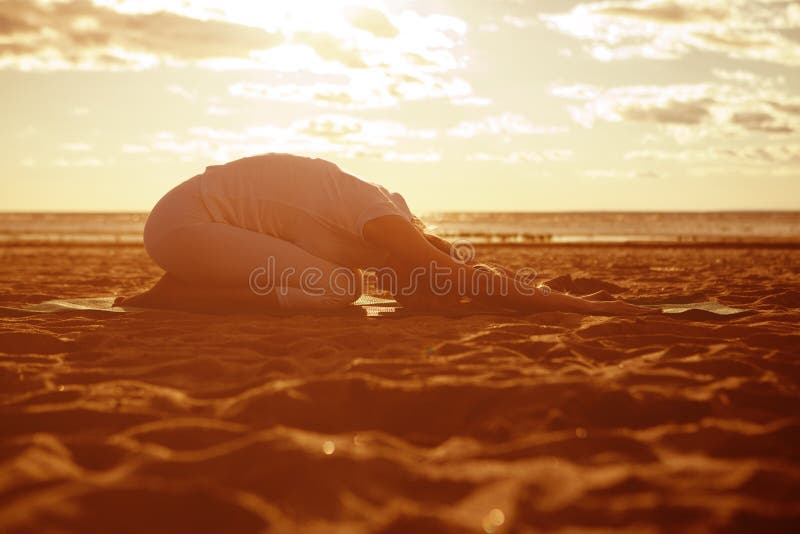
x=410, y=254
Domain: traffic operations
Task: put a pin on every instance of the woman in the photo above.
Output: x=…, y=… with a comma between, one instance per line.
x=278, y=231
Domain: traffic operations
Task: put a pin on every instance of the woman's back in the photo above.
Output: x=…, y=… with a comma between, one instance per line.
x=238, y=192
x=307, y=201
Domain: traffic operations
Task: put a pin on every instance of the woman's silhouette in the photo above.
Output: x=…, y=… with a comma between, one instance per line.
x=279, y=231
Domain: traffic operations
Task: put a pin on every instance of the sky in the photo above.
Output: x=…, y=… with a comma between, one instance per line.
x=466, y=105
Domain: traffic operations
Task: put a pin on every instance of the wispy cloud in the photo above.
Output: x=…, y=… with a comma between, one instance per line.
x=106, y=35
x=372, y=20
x=343, y=55
x=81, y=35
x=756, y=153
x=759, y=121
x=503, y=125
x=342, y=135
x=77, y=147
x=669, y=29
x=751, y=104
x=363, y=90
x=620, y=174
x=347, y=129
x=557, y=154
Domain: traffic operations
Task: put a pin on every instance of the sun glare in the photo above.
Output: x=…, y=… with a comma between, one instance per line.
x=298, y=15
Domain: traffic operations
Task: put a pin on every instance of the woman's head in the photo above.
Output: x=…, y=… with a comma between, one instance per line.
x=417, y=223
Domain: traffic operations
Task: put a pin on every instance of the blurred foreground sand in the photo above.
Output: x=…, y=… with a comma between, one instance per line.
x=167, y=422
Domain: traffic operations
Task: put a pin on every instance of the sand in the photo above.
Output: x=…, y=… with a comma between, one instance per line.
x=550, y=422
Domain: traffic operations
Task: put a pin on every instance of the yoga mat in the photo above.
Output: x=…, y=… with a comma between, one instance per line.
x=700, y=310
x=371, y=306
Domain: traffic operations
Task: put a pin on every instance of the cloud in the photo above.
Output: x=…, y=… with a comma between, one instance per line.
x=82, y=162
x=79, y=34
x=666, y=12
x=372, y=20
x=769, y=154
x=342, y=135
x=519, y=22
x=667, y=155
x=674, y=104
x=764, y=46
x=360, y=57
x=130, y=148
x=669, y=112
x=125, y=34
x=331, y=48
x=77, y=147
x=786, y=107
x=748, y=78
x=430, y=156
x=181, y=92
x=620, y=174
x=670, y=29
x=506, y=124
x=347, y=129
x=759, y=121
x=762, y=155
x=333, y=127
x=362, y=90
x=342, y=56
x=471, y=101
x=555, y=155
x=323, y=94
x=752, y=104
x=218, y=111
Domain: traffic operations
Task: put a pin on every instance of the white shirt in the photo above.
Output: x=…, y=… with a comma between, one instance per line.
x=307, y=201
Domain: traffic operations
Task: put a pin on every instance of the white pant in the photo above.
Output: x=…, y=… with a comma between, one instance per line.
x=181, y=237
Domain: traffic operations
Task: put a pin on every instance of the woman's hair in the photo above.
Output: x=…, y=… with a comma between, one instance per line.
x=419, y=224
x=438, y=242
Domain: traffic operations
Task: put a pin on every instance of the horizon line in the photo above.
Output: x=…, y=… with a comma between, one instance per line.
x=424, y=213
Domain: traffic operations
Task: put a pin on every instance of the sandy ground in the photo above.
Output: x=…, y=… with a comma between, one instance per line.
x=551, y=422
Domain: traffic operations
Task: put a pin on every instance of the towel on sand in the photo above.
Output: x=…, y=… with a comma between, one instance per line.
x=369, y=305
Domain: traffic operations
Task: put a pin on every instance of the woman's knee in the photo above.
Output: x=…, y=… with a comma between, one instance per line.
x=157, y=227
x=184, y=253
x=179, y=207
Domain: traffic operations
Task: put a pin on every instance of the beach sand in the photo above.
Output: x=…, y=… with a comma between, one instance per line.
x=549, y=422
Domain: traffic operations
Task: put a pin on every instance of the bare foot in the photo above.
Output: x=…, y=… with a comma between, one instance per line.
x=164, y=294
x=173, y=294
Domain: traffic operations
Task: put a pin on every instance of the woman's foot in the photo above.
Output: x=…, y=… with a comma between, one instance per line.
x=173, y=294
x=166, y=293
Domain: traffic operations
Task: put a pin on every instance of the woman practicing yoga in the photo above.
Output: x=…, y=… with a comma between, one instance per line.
x=278, y=231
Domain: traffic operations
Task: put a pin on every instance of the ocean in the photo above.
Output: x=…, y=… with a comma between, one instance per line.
x=478, y=227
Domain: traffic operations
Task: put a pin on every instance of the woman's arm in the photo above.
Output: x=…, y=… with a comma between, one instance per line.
x=423, y=267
